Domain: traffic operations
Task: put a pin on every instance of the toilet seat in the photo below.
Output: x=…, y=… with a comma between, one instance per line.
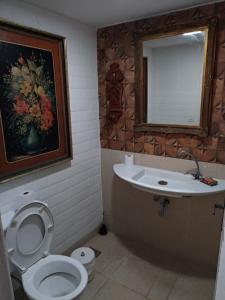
x=29, y=235
x=64, y=285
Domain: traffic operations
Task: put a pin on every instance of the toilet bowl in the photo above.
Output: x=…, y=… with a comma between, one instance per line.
x=55, y=277
x=28, y=236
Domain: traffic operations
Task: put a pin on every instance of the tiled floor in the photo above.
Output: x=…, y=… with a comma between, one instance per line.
x=120, y=275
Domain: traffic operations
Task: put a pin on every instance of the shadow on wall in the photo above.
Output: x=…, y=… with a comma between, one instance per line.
x=186, y=239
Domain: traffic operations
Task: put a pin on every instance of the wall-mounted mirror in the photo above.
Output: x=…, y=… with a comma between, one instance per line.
x=173, y=79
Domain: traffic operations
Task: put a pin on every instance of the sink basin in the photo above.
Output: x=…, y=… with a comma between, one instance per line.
x=165, y=183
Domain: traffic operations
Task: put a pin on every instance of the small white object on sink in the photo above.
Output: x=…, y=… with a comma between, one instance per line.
x=164, y=182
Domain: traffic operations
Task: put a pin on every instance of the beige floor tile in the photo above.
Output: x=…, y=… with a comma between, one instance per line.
x=113, y=253
x=136, y=274
x=192, y=288
x=115, y=291
x=110, y=245
x=107, y=265
x=93, y=287
x=163, y=285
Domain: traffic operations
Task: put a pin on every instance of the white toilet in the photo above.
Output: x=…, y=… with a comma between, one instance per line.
x=28, y=233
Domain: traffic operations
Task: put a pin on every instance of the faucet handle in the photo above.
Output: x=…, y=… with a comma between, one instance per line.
x=184, y=152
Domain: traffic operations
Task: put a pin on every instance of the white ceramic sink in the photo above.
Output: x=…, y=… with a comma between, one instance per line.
x=167, y=183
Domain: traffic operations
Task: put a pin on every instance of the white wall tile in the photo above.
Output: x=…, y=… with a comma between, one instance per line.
x=72, y=190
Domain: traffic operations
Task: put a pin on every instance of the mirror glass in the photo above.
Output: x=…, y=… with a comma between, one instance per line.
x=173, y=69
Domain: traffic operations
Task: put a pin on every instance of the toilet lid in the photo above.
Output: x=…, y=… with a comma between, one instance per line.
x=29, y=234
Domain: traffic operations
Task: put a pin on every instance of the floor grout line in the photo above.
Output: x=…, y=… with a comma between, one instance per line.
x=128, y=288
x=172, y=287
x=158, y=275
x=100, y=288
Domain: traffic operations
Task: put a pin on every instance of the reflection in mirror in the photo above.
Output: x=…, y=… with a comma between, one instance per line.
x=173, y=68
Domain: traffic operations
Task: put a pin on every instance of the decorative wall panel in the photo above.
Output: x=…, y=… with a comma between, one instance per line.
x=114, y=93
x=116, y=45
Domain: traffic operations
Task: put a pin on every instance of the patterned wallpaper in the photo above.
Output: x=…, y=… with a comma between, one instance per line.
x=116, y=45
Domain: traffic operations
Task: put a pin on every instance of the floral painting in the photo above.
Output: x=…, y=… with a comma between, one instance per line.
x=28, y=101
x=34, y=126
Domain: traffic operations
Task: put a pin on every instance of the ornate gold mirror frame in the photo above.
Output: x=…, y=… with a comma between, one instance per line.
x=207, y=25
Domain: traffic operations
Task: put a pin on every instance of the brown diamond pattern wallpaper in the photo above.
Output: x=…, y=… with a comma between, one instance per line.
x=116, y=45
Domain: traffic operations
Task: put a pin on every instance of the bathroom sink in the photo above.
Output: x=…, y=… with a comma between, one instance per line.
x=165, y=183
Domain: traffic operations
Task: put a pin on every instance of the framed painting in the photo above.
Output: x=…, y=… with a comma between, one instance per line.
x=34, y=108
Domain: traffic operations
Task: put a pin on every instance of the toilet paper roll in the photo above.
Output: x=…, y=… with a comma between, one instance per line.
x=129, y=160
x=86, y=256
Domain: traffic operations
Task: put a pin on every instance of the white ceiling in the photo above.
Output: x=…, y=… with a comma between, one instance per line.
x=100, y=13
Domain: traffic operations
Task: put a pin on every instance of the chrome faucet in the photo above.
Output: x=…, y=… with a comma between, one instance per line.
x=196, y=172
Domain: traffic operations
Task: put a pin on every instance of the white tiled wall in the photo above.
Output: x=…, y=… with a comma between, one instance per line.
x=73, y=191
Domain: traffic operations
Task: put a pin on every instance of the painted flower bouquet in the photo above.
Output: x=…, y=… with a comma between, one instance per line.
x=30, y=95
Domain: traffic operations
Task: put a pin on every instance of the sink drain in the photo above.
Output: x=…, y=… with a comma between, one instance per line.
x=162, y=182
